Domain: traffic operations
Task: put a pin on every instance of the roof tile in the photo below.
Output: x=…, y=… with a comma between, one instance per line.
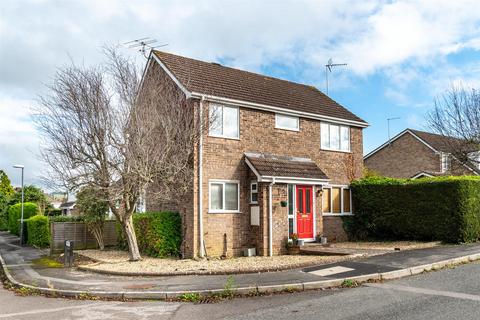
x=215, y=79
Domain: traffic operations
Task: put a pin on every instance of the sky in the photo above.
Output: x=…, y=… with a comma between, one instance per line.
x=400, y=54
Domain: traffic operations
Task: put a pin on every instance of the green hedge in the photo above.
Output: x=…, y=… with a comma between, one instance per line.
x=15, y=212
x=38, y=231
x=67, y=219
x=159, y=234
x=446, y=209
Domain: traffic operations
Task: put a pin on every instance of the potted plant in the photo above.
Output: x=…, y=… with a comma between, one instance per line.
x=321, y=239
x=292, y=245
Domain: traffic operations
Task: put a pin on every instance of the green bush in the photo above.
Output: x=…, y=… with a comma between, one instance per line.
x=15, y=212
x=67, y=219
x=38, y=231
x=159, y=234
x=52, y=212
x=446, y=209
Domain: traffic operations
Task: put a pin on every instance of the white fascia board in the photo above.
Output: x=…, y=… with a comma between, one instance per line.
x=288, y=112
x=294, y=180
x=418, y=175
x=259, y=177
x=395, y=138
x=187, y=93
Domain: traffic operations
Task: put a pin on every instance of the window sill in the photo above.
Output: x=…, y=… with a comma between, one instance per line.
x=220, y=212
x=253, y=203
x=288, y=129
x=335, y=150
x=223, y=137
x=336, y=214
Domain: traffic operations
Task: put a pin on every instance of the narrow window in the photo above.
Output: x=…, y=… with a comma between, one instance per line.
x=254, y=193
x=344, y=138
x=346, y=201
x=336, y=200
x=231, y=196
x=291, y=213
x=216, y=196
x=286, y=122
x=445, y=162
x=224, y=121
x=326, y=196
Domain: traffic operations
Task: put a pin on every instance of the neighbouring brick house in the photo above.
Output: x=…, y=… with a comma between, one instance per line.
x=416, y=154
x=277, y=160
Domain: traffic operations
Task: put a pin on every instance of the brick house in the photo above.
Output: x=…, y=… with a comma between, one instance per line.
x=416, y=154
x=277, y=160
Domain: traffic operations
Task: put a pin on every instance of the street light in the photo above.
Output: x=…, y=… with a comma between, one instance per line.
x=19, y=166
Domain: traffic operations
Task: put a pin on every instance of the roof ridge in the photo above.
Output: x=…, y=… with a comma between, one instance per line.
x=246, y=71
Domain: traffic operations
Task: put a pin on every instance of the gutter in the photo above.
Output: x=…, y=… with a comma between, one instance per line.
x=270, y=218
x=200, y=182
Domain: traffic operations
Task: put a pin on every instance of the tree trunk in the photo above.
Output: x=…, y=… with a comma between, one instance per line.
x=99, y=237
x=129, y=233
x=97, y=231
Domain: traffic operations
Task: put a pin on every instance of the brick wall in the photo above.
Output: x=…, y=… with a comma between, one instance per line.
x=405, y=157
x=223, y=159
x=228, y=234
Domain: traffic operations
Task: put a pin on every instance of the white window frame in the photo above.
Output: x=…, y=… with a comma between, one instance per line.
x=223, y=182
x=223, y=121
x=252, y=192
x=339, y=137
x=475, y=158
x=444, y=162
x=277, y=126
x=342, y=213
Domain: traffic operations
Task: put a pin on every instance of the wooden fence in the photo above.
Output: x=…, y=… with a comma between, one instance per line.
x=79, y=234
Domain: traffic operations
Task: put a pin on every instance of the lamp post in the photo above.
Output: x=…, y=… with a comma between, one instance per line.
x=19, y=166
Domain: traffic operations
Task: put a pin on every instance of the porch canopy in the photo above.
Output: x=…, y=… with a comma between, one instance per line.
x=285, y=169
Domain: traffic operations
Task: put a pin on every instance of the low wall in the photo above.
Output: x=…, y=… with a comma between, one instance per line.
x=79, y=234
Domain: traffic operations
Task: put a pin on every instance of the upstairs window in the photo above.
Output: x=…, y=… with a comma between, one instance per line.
x=475, y=158
x=445, y=162
x=286, y=122
x=335, y=137
x=224, y=121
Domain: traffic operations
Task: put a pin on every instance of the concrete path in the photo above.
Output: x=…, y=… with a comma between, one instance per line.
x=447, y=294
x=70, y=282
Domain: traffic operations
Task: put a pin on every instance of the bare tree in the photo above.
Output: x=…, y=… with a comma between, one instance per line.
x=456, y=116
x=108, y=128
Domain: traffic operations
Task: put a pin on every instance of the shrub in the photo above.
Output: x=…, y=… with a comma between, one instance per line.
x=38, y=231
x=67, y=219
x=52, y=212
x=15, y=212
x=446, y=208
x=159, y=234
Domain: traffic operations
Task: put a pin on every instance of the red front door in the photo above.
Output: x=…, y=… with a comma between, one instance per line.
x=304, y=212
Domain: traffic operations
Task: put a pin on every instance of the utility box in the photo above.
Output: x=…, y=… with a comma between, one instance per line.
x=68, y=253
x=249, y=252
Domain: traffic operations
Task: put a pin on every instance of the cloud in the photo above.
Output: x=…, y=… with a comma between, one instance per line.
x=18, y=140
x=406, y=42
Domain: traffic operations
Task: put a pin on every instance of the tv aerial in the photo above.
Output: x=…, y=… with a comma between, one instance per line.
x=328, y=68
x=143, y=45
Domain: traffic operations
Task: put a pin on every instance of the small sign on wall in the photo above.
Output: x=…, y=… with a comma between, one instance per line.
x=255, y=216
